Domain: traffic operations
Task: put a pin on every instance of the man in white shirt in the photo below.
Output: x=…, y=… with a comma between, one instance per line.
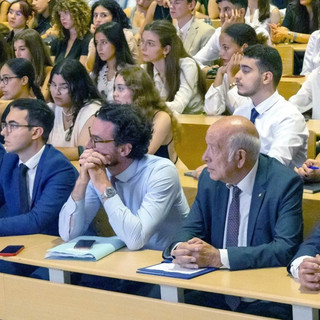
x=193, y=32
x=140, y=193
x=231, y=11
x=282, y=128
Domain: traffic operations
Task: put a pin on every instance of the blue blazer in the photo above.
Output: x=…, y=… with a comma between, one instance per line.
x=54, y=181
x=275, y=219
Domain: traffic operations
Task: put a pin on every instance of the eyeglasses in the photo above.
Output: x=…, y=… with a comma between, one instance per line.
x=95, y=141
x=64, y=88
x=13, y=126
x=6, y=79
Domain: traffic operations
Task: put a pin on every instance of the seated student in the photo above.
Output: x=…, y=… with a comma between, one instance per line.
x=261, y=13
x=305, y=265
x=300, y=21
x=239, y=220
x=35, y=178
x=106, y=11
x=43, y=11
x=134, y=86
x=231, y=11
x=28, y=44
x=282, y=128
x=222, y=96
x=309, y=94
x=176, y=75
x=17, y=80
x=72, y=19
x=193, y=32
x=311, y=58
x=112, y=53
x=19, y=12
x=76, y=100
x=140, y=193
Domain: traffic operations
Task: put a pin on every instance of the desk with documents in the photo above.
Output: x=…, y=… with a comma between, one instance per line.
x=272, y=284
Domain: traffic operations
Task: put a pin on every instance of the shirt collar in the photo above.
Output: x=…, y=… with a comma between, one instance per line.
x=128, y=173
x=268, y=103
x=247, y=183
x=34, y=160
x=186, y=27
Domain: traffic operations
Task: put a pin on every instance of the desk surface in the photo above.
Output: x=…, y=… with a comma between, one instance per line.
x=269, y=284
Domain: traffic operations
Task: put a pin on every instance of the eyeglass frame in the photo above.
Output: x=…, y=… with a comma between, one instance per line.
x=95, y=141
x=10, y=126
x=6, y=79
x=59, y=88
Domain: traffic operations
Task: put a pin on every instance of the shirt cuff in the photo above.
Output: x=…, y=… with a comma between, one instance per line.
x=294, y=268
x=224, y=258
x=174, y=248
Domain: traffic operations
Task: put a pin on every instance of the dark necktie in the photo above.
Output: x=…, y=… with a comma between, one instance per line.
x=254, y=115
x=24, y=202
x=232, y=236
x=113, y=181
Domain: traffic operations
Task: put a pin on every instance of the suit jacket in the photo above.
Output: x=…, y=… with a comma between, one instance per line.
x=54, y=181
x=310, y=247
x=197, y=37
x=275, y=218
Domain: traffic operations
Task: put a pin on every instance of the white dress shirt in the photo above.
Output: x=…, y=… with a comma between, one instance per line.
x=282, y=129
x=182, y=32
x=309, y=95
x=311, y=58
x=246, y=187
x=187, y=99
x=32, y=165
x=221, y=98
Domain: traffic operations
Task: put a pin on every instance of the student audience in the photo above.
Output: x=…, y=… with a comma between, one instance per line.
x=106, y=11
x=19, y=13
x=282, y=128
x=112, y=53
x=35, y=178
x=239, y=181
x=18, y=80
x=76, y=100
x=193, y=32
x=134, y=86
x=72, y=20
x=140, y=193
x=176, y=75
x=28, y=44
x=222, y=96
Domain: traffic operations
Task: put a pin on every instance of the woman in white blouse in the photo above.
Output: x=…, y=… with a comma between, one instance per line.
x=222, y=96
x=176, y=75
x=112, y=53
x=76, y=100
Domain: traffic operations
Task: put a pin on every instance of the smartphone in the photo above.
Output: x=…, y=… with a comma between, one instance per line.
x=11, y=250
x=84, y=244
x=189, y=173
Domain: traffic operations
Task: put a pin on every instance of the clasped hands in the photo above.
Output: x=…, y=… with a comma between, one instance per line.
x=195, y=254
x=309, y=273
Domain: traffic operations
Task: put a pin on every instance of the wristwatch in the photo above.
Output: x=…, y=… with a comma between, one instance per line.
x=108, y=193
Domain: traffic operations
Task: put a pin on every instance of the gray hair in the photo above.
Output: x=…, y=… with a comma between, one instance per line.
x=245, y=141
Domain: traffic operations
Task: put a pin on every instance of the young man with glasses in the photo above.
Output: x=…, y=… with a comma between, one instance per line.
x=35, y=178
x=140, y=193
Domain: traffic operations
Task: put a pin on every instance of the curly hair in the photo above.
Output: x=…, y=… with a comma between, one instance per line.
x=116, y=11
x=81, y=88
x=80, y=14
x=145, y=95
x=40, y=57
x=131, y=125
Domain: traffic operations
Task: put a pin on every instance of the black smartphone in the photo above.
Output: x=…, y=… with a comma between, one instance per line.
x=11, y=250
x=84, y=244
x=189, y=173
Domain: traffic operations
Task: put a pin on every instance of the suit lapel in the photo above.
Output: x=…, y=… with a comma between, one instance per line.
x=190, y=37
x=258, y=195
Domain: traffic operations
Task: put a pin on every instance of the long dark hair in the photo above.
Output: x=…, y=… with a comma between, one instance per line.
x=114, y=34
x=167, y=34
x=21, y=68
x=264, y=9
x=81, y=88
x=302, y=12
x=116, y=11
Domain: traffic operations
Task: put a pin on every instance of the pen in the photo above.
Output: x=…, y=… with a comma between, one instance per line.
x=314, y=167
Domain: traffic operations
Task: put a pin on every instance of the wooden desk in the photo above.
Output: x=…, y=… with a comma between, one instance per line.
x=271, y=284
x=289, y=86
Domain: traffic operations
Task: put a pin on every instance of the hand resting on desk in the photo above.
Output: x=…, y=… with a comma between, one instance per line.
x=309, y=273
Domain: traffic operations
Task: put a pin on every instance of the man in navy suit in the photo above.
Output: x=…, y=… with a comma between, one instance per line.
x=49, y=176
x=305, y=265
x=267, y=207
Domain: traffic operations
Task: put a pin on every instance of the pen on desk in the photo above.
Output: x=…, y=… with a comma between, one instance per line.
x=313, y=167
